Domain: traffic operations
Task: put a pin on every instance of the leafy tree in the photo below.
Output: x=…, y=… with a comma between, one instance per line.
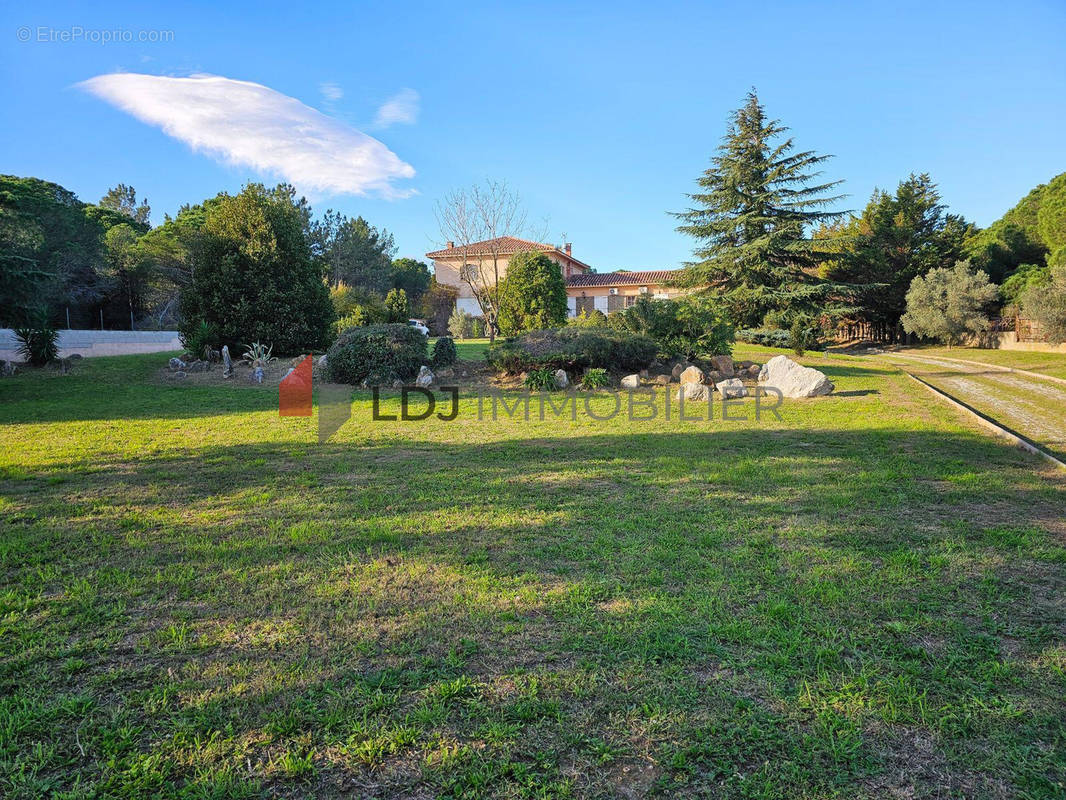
x=396, y=306
x=750, y=221
x=1046, y=305
x=947, y=304
x=353, y=251
x=253, y=276
x=895, y=239
x=437, y=305
x=461, y=324
x=532, y=295
x=413, y=277
x=123, y=199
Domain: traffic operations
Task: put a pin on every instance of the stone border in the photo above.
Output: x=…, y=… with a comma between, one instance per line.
x=988, y=423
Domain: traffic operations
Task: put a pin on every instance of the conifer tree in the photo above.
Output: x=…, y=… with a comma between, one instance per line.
x=751, y=220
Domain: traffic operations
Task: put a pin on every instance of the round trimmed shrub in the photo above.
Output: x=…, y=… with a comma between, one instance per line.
x=376, y=355
x=444, y=352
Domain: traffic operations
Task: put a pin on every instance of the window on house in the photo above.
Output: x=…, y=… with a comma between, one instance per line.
x=615, y=302
x=586, y=304
x=469, y=272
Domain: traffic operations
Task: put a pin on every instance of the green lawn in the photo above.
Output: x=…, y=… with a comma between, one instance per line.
x=468, y=349
x=1047, y=363
x=864, y=599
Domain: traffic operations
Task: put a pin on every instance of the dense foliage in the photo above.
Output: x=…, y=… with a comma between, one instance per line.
x=750, y=219
x=53, y=256
x=376, y=355
x=690, y=326
x=253, y=277
x=396, y=307
x=896, y=238
x=532, y=295
x=462, y=325
x=948, y=304
x=1033, y=232
x=572, y=349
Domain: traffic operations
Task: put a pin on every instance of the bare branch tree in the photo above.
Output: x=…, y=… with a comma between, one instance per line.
x=483, y=214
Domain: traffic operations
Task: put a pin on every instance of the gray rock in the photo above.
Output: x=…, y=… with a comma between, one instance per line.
x=397, y=384
x=662, y=380
x=713, y=377
x=177, y=363
x=562, y=380
x=227, y=365
x=425, y=377
x=731, y=387
x=257, y=375
x=794, y=380
x=7, y=369
x=199, y=366
x=723, y=364
x=694, y=391
x=630, y=382
x=754, y=370
x=679, y=367
x=692, y=374
x=180, y=374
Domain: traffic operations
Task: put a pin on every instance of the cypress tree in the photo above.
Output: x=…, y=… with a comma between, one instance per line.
x=751, y=221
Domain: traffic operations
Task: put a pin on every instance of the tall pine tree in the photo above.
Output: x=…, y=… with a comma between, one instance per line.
x=751, y=221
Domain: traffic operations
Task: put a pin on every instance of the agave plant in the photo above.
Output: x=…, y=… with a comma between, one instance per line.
x=258, y=355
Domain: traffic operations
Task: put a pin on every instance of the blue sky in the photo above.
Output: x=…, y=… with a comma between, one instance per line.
x=600, y=115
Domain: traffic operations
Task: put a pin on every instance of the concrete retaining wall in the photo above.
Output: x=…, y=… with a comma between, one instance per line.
x=1009, y=341
x=99, y=343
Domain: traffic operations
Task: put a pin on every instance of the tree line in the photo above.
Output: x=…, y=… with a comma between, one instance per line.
x=62, y=259
x=775, y=251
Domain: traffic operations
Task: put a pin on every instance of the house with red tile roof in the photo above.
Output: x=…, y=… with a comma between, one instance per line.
x=614, y=291
x=587, y=290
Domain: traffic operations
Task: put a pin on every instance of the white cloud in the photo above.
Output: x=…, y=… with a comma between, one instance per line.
x=246, y=124
x=400, y=108
x=331, y=92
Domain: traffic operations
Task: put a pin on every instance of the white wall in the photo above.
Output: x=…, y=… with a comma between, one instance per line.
x=469, y=305
x=99, y=343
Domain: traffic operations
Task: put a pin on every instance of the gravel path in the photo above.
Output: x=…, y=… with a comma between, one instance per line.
x=1032, y=407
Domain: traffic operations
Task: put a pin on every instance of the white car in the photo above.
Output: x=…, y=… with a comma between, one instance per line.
x=419, y=326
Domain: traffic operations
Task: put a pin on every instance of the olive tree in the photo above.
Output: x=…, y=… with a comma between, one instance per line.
x=948, y=304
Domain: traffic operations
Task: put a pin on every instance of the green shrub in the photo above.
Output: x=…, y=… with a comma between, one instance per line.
x=355, y=320
x=690, y=327
x=199, y=338
x=541, y=380
x=460, y=324
x=38, y=345
x=596, y=379
x=948, y=304
x=396, y=306
x=444, y=353
x=597, y=319
x=768, y=337
x=477, y=328
x=573, y=349
x=376, y=355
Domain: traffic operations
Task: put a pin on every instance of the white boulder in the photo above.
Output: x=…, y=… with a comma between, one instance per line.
x=630, y=382
x=731, y=387
x=425, y=377
x=794, y=380
x=562, y=380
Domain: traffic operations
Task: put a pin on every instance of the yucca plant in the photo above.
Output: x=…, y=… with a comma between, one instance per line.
x=38, y=345
x=541, y=380
x=596, y=379
x=258, y=355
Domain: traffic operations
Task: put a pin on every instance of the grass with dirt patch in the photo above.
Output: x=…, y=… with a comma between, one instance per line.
x=863, y=599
